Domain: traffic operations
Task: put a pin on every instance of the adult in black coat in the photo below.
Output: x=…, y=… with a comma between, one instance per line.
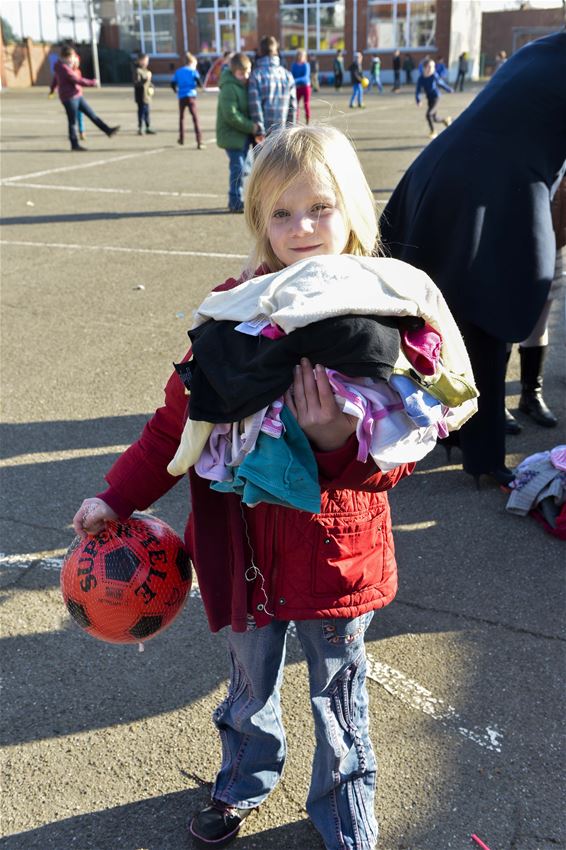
x=473, y=211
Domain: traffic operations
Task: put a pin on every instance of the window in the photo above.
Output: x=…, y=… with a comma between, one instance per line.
x=402, y=25
x=422, y=25
x=227, y=25
x=155, y=27
x=315, y=24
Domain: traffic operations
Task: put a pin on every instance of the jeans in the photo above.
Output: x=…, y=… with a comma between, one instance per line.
x=375, y=80
x=341, y=797
x=237, y=164
x=356, y=94
x=143, y=115
x=72, y=108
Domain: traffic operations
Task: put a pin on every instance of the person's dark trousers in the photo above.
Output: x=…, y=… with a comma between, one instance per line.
x=189, y=103
x=72, y=108
x=482, y=438
x=143, y=115
x=460, y=81
x=431, y=115
x=237, y=159
x=396, y=80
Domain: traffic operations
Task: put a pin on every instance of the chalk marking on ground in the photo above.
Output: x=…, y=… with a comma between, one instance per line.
x=82, y=165
x=63, y=454
x=81, y=189
x=419, y=698
x=415, y=526
x=395, y=682
x=116, y=248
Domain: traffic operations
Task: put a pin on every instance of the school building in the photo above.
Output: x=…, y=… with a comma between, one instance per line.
x=165, y=29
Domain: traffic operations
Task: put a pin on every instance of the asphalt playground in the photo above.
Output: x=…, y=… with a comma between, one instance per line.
x=104, y=256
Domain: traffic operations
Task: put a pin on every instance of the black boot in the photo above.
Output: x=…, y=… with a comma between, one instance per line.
x=511, y=424
x=532, y=402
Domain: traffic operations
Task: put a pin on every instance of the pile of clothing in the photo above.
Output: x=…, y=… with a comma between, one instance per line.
x=393, y=354
x=539, y=489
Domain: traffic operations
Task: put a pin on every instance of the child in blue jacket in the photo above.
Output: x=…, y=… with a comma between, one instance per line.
x=184, y=84
x=429, y=82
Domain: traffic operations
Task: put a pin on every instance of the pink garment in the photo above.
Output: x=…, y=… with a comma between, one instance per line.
x=558, y=458
x=422, y=348
x=272, y=332
x=272, y=424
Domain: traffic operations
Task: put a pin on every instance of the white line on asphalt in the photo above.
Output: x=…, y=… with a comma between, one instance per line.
x=64, y=454
x=52, y=561
x=166, y=251
x=415, y=526
x=82, y=165
x=81, y=189
x=395, y=682
x=417, y=697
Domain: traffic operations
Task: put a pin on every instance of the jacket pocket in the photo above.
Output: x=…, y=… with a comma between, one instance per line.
x=349, y=556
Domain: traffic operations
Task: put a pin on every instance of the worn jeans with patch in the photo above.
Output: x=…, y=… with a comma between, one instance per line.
x=341, y=796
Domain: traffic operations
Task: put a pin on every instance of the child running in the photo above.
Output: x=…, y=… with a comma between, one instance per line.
x=184, y=84
x=429, y=81
x=261, y=567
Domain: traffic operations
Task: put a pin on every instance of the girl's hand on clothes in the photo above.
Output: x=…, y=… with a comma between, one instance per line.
x=92, y=516
x=312, y=403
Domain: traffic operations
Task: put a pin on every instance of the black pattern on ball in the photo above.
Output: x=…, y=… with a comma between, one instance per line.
x=146, y=627
x=120, y=564
x=78, y=613
x=183, y=565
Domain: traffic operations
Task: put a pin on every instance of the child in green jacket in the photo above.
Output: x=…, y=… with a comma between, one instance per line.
x=234, y=127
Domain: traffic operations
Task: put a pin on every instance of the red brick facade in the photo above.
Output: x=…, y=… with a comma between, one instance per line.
x=511, y=30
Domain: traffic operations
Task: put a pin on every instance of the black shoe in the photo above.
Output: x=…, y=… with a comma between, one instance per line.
x=502, y=476
x=235, y=209
x=218, y=824
x=78, y=148
x=112, y=131
x=511, y=424
x=150, y=132
x=533, y=404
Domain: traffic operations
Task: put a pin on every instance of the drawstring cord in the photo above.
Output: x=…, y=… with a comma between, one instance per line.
x=253, y=571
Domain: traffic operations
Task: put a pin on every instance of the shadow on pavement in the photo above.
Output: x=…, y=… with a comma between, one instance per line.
x=157, y=823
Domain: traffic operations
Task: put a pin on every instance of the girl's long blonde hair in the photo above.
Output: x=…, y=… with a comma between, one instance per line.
x=323, y=155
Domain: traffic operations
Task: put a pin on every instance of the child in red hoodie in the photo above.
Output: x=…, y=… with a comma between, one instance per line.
x=68, y=81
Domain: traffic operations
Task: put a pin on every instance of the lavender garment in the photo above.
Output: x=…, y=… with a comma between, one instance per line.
x=229, y=443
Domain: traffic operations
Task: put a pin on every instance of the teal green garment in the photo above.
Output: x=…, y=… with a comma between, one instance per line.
x=233, y=122
x=280, y=470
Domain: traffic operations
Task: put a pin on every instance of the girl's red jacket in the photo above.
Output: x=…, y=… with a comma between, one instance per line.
x=338, y=563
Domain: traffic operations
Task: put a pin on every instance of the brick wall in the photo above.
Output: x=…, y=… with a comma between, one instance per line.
x=511, y=30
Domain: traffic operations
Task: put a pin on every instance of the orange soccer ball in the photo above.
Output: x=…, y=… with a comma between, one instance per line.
x=127, y=583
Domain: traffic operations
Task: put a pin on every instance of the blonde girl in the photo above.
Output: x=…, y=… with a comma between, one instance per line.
x=261, y=568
